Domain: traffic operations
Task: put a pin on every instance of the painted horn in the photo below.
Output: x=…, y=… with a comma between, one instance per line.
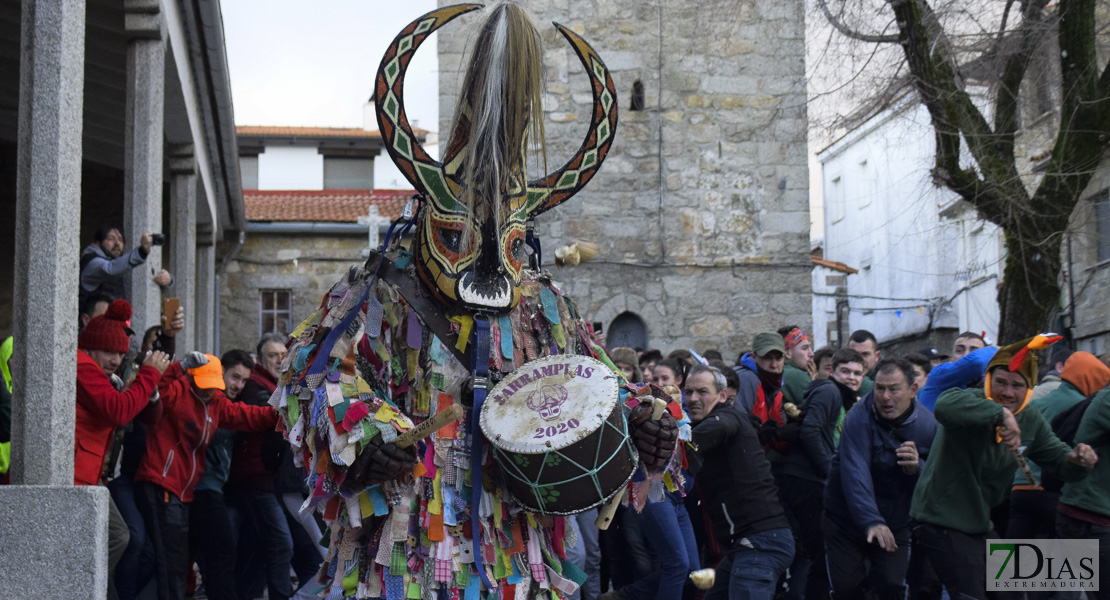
x=423, y=172
x=554, y=189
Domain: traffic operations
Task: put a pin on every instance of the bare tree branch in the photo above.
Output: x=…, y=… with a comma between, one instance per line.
x=1030, y=33
x=852, y=33
x=1083, y=130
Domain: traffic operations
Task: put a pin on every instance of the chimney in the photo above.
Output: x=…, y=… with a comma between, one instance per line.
x=369, y=116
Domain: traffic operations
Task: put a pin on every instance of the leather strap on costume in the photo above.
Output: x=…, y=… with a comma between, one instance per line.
x=479, y=369
x=432, y=314
x=533, y=242
x=320, y=362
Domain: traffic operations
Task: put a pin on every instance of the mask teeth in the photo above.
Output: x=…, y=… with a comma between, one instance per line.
x=499, y=299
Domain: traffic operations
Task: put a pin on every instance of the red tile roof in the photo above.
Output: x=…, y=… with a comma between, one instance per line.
x=329, y=132
x=262, y=130
x=342, y=206
x=834, y=265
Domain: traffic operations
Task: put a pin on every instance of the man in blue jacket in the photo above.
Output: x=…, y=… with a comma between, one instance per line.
x=886, y=439
x=962, y=374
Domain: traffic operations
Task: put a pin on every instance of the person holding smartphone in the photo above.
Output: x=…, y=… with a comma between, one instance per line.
x=104, y=264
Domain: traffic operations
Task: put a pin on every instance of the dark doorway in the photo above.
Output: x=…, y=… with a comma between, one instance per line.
x=627, y=330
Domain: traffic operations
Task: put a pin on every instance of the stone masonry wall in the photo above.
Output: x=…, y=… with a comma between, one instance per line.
x=307, y=265
x=1091, y=277
x=716, y=249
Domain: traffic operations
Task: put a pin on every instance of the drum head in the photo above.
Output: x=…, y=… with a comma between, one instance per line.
x=549, y=404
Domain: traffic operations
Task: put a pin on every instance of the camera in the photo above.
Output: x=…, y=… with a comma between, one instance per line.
x=158, y=239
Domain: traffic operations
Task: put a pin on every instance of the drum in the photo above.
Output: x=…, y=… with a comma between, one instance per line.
x=559, y=434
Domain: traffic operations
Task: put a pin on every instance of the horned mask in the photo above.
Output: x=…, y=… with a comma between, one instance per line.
x=470, y=240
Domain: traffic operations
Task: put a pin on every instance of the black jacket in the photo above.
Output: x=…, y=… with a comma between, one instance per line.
x=826, y=403
x=735, y=478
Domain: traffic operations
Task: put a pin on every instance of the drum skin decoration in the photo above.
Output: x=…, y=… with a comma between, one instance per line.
x=559, y=434
x=475, y=509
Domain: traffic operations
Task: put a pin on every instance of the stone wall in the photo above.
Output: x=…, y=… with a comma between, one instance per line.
x=1091, y=277
x=705, y=233
x=307, y=265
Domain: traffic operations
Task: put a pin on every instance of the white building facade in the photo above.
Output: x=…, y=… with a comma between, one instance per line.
x=929, y=267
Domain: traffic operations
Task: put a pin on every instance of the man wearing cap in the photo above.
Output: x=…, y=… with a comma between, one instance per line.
x=104, y=404
x=972, y=464
x=193, y=406
x=760, y=390
x=934, y=356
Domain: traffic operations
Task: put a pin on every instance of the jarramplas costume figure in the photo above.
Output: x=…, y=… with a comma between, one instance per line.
x=449, y=403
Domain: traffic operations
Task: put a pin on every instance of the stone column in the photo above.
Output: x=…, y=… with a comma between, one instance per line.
x=48, y=213
x=206, y=289
x=142, y=162
x=54, y=535
x=183, y=239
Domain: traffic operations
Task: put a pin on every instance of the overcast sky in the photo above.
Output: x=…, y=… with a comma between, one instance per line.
x=313, y=64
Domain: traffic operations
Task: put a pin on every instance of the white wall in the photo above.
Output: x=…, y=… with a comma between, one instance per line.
x=290, y=169
x=883, y=217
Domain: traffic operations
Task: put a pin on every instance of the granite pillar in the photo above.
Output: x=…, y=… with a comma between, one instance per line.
x=53, y=535
x=183, y=239
x=143, y=153
x=206, y=289
x=48, y=213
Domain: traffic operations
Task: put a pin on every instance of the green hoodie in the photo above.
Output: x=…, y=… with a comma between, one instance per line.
x=794, y=384
x=969, y=471
x=1050, y=406
x=1093, y=493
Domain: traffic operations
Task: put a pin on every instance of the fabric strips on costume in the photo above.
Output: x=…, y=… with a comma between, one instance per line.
x=387, y=372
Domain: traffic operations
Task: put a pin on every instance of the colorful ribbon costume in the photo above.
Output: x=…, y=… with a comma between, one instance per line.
x=413, y=333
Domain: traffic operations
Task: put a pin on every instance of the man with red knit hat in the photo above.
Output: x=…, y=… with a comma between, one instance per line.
x=193, y=407
x=982, y=438
x=104, y=404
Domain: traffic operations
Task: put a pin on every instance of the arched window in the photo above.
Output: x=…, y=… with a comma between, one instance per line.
x=637, y=95
x=627, y=330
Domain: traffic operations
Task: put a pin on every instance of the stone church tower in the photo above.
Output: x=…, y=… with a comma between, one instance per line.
x=701, y=210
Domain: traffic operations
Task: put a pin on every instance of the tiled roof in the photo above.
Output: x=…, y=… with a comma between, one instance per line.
x=831, y=264
x=260, y=130
x=337, y=206
x=329, y=132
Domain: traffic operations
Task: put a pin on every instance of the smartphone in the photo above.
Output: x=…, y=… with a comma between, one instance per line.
x=169, y=308
x=597, y=326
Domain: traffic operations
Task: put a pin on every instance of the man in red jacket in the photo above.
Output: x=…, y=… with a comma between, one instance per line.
x=193, y=406
x=104, y=405
x=266, y=541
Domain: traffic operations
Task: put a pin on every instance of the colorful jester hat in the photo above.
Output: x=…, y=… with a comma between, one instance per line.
x=471, y=232
x=1018, y=358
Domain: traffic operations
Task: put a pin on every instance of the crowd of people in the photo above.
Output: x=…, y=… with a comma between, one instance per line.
x=810, y=473
x=199, y=480
x=843, y=473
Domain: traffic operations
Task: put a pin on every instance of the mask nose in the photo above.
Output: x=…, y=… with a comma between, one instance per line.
x=489, y=259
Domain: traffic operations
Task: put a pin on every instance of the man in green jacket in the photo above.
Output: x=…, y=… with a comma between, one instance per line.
x=1033, y=506
x=1084, y=509
x=972, y=463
